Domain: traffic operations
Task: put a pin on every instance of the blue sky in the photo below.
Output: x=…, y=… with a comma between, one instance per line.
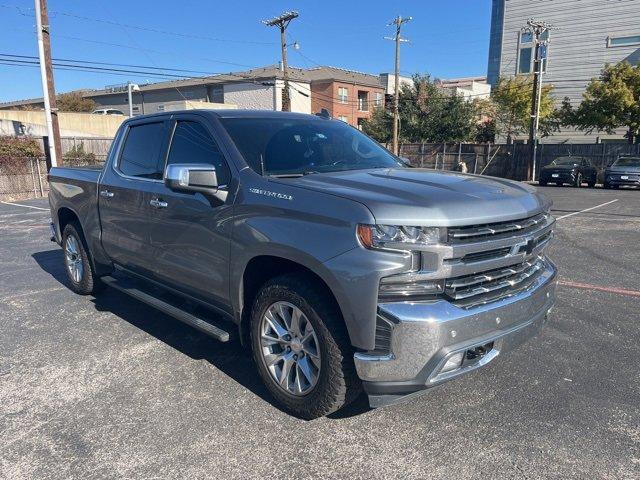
x=448, y=39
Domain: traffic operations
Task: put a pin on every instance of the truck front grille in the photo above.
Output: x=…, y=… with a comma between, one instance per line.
x=490, y=231
x=472, y=290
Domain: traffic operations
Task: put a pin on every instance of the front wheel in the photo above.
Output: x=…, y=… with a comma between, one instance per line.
x=301, y=347
x=543, y=183
x=80, y=274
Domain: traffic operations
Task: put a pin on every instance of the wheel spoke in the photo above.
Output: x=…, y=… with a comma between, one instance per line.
x=297, y=318
x=285, y=314
x=298, y=382
x=268, y=341
x=305, y=368
x=286, y=370
x=272, y=358
x=275, y=324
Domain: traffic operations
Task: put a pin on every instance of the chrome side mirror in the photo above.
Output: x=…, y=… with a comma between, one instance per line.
x=187, y=177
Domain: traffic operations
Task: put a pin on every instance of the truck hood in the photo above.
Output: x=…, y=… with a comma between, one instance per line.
x=421, y=197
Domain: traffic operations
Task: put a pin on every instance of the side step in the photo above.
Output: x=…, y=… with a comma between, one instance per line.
x=165, y=307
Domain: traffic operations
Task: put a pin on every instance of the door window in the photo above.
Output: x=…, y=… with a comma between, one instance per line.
x=141, y=152
x=192, y=143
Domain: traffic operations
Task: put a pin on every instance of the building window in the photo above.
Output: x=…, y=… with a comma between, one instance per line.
x=343, y=95
x=526, y=49
x=623, y=41
x=161, y=108
x=525, y=52
x=363, y=101
x=377, y=99
x=343, y=118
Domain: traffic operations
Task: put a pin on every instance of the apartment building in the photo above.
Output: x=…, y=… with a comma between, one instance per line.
x=585, y=36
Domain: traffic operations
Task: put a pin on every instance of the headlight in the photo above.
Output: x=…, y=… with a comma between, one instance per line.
x=392, y=237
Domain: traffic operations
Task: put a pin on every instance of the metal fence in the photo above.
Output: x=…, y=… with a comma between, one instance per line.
x=509, y=161
x=27, y=177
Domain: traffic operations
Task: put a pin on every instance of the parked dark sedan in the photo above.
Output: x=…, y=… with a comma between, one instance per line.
x=624, y=171
x=572, y=170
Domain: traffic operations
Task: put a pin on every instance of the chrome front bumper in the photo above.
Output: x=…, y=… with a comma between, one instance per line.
x=426, y=334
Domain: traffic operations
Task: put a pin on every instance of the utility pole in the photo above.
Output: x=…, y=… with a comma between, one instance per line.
x=48, y=89
x=282, y=22
x=537, y=29
x=398, y=22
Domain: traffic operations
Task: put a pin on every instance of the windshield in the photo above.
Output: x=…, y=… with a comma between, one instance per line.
x=565, y=161
x=299, y=146
x=628, y=162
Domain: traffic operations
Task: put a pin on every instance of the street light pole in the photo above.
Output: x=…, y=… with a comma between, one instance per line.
x=131, y=87
x=282, y=22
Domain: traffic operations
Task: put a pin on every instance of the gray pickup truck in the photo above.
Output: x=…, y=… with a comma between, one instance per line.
x=336, y=264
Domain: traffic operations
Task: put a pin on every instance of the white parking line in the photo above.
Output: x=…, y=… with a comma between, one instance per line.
x=25, y=206
x=586, y=210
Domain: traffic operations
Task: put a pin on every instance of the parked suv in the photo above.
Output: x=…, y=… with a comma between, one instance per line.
x=572, y=170
x=624, y=171
x=335, y=265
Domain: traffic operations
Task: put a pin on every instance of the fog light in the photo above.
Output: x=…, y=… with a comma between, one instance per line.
x=454, y=362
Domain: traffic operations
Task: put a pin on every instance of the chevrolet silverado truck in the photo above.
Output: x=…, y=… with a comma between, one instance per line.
x=335, y=264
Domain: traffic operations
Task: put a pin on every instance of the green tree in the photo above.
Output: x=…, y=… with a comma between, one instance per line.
x=75, y=102
x=512, y=100
x=380, y=125
x=427, y=114
x=609, y=102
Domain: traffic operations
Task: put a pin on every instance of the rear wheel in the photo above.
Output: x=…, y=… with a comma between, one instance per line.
x=592, y=184
x=80, y=274
x=301, y=347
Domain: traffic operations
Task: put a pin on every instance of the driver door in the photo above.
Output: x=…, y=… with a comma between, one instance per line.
x=190, y=232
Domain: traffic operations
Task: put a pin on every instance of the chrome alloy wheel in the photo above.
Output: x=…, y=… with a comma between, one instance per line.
x=290, y=348
x=73, y=259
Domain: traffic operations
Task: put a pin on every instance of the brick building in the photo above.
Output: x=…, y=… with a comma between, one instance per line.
x=347, y=95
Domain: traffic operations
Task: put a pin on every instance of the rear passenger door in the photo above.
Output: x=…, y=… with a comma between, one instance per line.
x=127, y=185
x=190, y=234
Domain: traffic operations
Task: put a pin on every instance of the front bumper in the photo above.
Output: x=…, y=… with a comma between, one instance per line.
x=427, y=334
x=631, y=180
x=564, y=177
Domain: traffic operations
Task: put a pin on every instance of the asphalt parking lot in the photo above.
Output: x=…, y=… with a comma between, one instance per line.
x=109, y=388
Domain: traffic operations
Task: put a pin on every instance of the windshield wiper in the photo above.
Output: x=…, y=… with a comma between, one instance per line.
x=291, y=175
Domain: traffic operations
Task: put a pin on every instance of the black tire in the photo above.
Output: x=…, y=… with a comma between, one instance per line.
x=558, y=184
x=591, y=184
x=337, y=383
x=88, y=283
x=543, y=183
x=607, y=186
x=578, y=182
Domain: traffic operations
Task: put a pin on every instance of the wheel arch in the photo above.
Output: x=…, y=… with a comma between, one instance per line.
x=260, y=269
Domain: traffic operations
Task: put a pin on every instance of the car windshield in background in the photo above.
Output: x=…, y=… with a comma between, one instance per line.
x=565, y=161
x=628, y=162
x=300, y=146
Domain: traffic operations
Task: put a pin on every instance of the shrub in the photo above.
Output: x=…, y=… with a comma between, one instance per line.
x=77, y=156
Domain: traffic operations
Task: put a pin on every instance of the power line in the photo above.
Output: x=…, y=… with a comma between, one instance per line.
x=139, y=27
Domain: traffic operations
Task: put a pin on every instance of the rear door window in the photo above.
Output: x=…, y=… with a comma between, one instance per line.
x=192, y=143
x=141, y=151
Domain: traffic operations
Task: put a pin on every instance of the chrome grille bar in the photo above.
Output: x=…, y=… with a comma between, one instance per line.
x=507, y=279
x=476, y=232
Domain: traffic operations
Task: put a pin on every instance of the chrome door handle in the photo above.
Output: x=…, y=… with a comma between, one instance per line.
x=157, y=203
x=106, y=193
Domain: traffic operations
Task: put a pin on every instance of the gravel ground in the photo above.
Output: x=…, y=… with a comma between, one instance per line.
x=109, y=388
